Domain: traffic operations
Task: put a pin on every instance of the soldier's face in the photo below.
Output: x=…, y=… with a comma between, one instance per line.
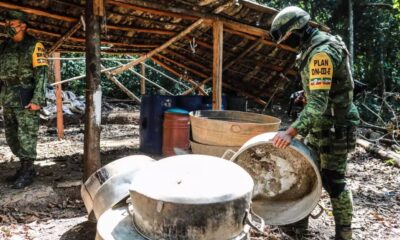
x=17, y=25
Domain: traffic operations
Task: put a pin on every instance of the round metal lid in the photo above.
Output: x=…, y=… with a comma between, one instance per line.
x=192, y=179
x=116, y=224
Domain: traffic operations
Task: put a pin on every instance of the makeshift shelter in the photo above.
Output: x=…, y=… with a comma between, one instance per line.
x=223, y=42
x=252, y=64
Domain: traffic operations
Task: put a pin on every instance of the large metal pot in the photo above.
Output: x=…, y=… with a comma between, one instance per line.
x=287, y=183
x=106, y=181
x=191, y=197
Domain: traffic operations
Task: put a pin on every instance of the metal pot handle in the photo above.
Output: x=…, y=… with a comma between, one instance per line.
x=252, y=223
x=228, y=154
x=319, y=213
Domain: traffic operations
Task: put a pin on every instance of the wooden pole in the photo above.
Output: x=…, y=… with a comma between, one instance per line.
x=91, y=155
x=142, y=80
x=218, y=39
x=59, y=101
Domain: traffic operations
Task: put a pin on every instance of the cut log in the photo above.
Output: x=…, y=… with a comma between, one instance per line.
x=383, y=153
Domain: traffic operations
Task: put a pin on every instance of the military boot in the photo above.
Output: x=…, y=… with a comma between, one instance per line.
x=27, y=173
x=343, y=233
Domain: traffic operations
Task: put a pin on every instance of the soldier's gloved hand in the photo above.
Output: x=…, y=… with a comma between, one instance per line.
x=32, y=107
x=283, y=139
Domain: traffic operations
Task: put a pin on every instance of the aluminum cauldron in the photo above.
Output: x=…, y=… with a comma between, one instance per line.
x=192, y=197
x=287, y=183
x=103, y=186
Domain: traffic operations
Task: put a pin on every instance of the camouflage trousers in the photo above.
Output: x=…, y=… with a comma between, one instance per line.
x=21, y=130
x=332, y=150
x=332, y=156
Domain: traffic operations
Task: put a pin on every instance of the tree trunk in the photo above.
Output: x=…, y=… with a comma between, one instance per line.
x=351, y=33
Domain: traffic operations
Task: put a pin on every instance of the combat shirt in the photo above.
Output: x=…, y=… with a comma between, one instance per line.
x=22, y=65
x=328, y=84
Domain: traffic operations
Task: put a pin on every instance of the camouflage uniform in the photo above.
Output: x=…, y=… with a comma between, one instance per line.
x=23, y=73
x=329, y=118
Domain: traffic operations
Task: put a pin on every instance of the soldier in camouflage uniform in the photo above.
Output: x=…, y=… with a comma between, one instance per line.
x=329, y=118
x=23, y=73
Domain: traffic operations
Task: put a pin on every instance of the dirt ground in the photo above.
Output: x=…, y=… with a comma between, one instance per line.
x=52, y=208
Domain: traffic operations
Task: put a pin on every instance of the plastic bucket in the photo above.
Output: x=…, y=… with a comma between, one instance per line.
x=287, y=183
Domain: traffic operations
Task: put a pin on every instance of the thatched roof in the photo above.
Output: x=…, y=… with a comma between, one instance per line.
x=254, y=64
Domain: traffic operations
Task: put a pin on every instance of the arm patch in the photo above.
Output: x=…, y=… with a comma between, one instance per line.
x=320, y=71
x=39, y=56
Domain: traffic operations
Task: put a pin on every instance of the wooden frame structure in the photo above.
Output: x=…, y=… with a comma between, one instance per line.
x=225, y=43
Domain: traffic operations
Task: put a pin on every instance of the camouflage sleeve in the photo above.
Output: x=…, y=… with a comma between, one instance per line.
x=40, y=66
x=40, y=76
x=319, y=75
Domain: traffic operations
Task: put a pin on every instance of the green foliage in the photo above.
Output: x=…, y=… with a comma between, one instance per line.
x=74, y=68
x=376, y=35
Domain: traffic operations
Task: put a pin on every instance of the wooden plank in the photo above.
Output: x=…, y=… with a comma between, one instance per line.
x=143, y=30
x=68, y=34
x=142, y=80
x=166, y=67
x=91, y=148
x=218, y=39
x=120, y=85
x=38, y=12
x=153, y=6
x=158, y=49
x=59, y=101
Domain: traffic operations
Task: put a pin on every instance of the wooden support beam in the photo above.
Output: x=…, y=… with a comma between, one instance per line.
x=142, y=80
x=91, y=155
x=159, y=49
x=38, y=12
x=143, y=30
x=67, y=35
x=194, y=71
x=152, y=11
x=147, y=6
x=120, y=85
x=165, y=66
x=149, y=81
x=82, y=40
x=264, y=41
x=218, y=39
x=59, y=101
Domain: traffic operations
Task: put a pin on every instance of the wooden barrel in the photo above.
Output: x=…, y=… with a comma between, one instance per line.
x=176, y=131
x=230, y=128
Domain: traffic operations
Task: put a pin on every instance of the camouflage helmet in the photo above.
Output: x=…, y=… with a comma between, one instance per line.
x=15, y=15
x=288, y=20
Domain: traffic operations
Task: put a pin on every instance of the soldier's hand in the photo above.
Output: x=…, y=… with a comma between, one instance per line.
x=32, y=107
x=283, y=139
